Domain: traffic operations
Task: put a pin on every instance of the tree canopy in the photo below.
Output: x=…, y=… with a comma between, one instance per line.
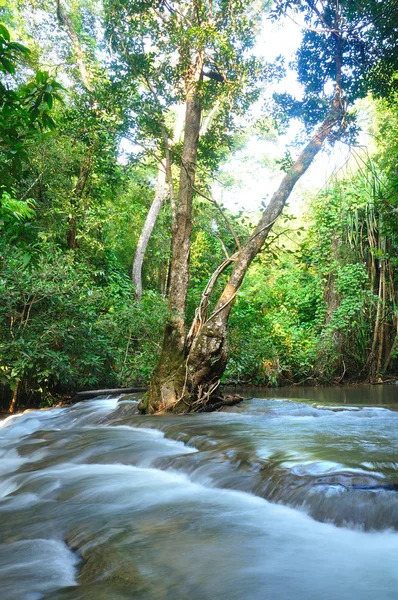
x=181, y=87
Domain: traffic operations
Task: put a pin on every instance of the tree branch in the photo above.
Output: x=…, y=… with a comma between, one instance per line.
x=201, y=312
x=220, y=210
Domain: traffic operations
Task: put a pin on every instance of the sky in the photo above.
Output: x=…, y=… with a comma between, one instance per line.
x=255, y=181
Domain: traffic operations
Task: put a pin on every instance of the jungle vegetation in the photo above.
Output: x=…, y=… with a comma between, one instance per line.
x=121, y=268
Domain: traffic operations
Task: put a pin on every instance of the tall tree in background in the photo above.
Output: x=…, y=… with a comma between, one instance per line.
x=66, y=23
x=337, y=36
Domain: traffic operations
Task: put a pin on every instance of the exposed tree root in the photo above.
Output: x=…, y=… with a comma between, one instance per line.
x=220, y=401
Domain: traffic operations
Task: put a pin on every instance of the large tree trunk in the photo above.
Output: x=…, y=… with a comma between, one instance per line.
x=188, y=374
x=166, y=382
x=190, y=368
x=150, y=221
x=181, y=247
x=164, y=175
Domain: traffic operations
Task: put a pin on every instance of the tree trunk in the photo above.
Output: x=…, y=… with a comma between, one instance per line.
x=14, y=398
x=164, y=389
x=382, y=328
x=165, y=174
x=181, y=246
x=374, y=363
x=189, y=372
x=392, y=294
x=77, y=193
x=188, y=375
x=150, y=221
x=67, y=24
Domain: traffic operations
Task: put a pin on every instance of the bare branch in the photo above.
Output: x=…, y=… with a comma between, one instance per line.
x=223, y=246
x=220, y=210
x=313, y=7
x=313, y=29
x=177, y=12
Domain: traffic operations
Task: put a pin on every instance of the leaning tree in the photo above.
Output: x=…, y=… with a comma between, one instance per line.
x=171, y=46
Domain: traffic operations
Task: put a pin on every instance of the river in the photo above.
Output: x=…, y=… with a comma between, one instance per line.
x=289, y=496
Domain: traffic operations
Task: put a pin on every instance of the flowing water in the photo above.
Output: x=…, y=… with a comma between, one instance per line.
x=277, y=498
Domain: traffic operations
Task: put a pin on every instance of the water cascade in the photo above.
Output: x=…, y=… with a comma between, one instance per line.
x=274, y=498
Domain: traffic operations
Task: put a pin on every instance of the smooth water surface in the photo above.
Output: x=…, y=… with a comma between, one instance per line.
x=274, y=498
x=353, y=395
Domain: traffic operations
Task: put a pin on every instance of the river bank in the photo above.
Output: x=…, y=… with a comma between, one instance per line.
x=247, y=391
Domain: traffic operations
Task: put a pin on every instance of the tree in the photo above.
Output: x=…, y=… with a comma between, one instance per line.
x=173, y=55
x=64, y=316
x=191, y=365
x=24, y=115
x=161, y=194
x=66, y=22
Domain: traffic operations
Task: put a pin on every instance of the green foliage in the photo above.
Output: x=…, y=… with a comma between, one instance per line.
x=364, y=31
x=135, y=332
x=63, y=326
x=25, y=110
x=67, y=319
x=276, y=324
x=321, y=311
x=154, y=50
x=13, y=210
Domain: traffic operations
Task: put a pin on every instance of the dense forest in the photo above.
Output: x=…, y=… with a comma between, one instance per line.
x=120, y=265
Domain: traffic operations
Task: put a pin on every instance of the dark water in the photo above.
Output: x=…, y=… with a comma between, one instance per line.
x=274, y=499
x=353, y=395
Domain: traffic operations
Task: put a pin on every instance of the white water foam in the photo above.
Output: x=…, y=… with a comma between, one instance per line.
x=38, y=565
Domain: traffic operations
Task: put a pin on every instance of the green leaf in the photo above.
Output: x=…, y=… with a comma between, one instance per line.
x=48, y=99
x=58, y=97
x=20, y=48
x=4, y=32
x=8, y=67
x=26, y=259
x=34, y=113
x=40, y=77
x=48, y=121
